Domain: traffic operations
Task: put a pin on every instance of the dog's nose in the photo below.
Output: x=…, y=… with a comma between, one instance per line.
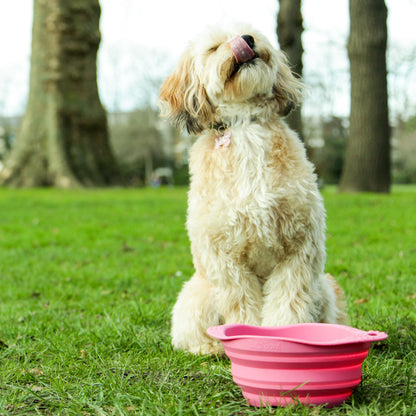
x=249, y=40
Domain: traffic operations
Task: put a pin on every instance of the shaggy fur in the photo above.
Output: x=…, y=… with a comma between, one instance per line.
x=256, y=220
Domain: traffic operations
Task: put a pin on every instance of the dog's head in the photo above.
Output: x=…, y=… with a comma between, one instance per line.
x=221, y=68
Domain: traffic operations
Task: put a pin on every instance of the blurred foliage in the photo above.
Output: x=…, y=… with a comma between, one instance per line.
x=181, y=175
x=7, y=136
x=142, y=144
x=138, y=144
x=404, y=152
x=327, y=152
x=409, y=126
x=328, y=148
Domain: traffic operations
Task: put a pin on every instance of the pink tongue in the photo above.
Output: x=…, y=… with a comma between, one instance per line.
x=241, y=50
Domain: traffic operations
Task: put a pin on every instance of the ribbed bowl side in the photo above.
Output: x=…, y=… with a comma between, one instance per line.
x=266, y=398
x=320, y=375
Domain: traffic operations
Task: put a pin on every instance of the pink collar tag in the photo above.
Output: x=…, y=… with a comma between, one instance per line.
x=224, y=140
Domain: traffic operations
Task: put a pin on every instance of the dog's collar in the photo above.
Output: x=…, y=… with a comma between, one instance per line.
x=223, y=130
x=221, y=126
x=223, y=136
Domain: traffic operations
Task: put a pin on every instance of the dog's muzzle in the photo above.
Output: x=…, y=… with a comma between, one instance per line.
x=242, y=48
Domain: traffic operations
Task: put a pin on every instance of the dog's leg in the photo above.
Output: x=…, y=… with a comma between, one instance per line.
x=238, y=290
x=289, y=296
x=240, y=297
x=295, y=296
x=196, y=309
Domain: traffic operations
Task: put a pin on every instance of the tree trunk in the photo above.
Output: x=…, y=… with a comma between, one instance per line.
x=63, y=139
x=289, y=33
x=367, y=159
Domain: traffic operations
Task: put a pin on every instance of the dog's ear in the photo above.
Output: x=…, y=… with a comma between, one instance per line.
x=183, y=98
x=287, y=89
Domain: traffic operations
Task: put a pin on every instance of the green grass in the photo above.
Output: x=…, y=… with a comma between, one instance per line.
x=88, y=279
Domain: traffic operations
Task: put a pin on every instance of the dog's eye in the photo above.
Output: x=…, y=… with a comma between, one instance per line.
x=213, y=49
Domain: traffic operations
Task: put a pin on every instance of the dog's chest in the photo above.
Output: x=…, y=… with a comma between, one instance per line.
x=255, y=200
x=242, y=168
x=238, y=192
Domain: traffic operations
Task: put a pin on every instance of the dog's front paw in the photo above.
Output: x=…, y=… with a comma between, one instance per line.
x=206, y=348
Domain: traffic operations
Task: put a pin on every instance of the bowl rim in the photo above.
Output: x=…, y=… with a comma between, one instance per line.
x=353, y=335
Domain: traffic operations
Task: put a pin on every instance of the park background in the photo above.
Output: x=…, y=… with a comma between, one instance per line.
x=89, y=274
x=141, y=43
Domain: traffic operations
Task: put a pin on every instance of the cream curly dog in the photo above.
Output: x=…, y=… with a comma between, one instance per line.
x=256, y=219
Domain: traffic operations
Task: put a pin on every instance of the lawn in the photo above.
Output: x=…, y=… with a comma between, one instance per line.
x=88, y=279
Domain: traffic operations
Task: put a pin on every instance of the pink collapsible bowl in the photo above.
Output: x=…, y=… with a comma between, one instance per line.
x=312, y=364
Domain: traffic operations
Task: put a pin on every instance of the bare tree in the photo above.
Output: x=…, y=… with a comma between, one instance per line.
x=367, y=163
x=63, y=139
x=289, y=33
